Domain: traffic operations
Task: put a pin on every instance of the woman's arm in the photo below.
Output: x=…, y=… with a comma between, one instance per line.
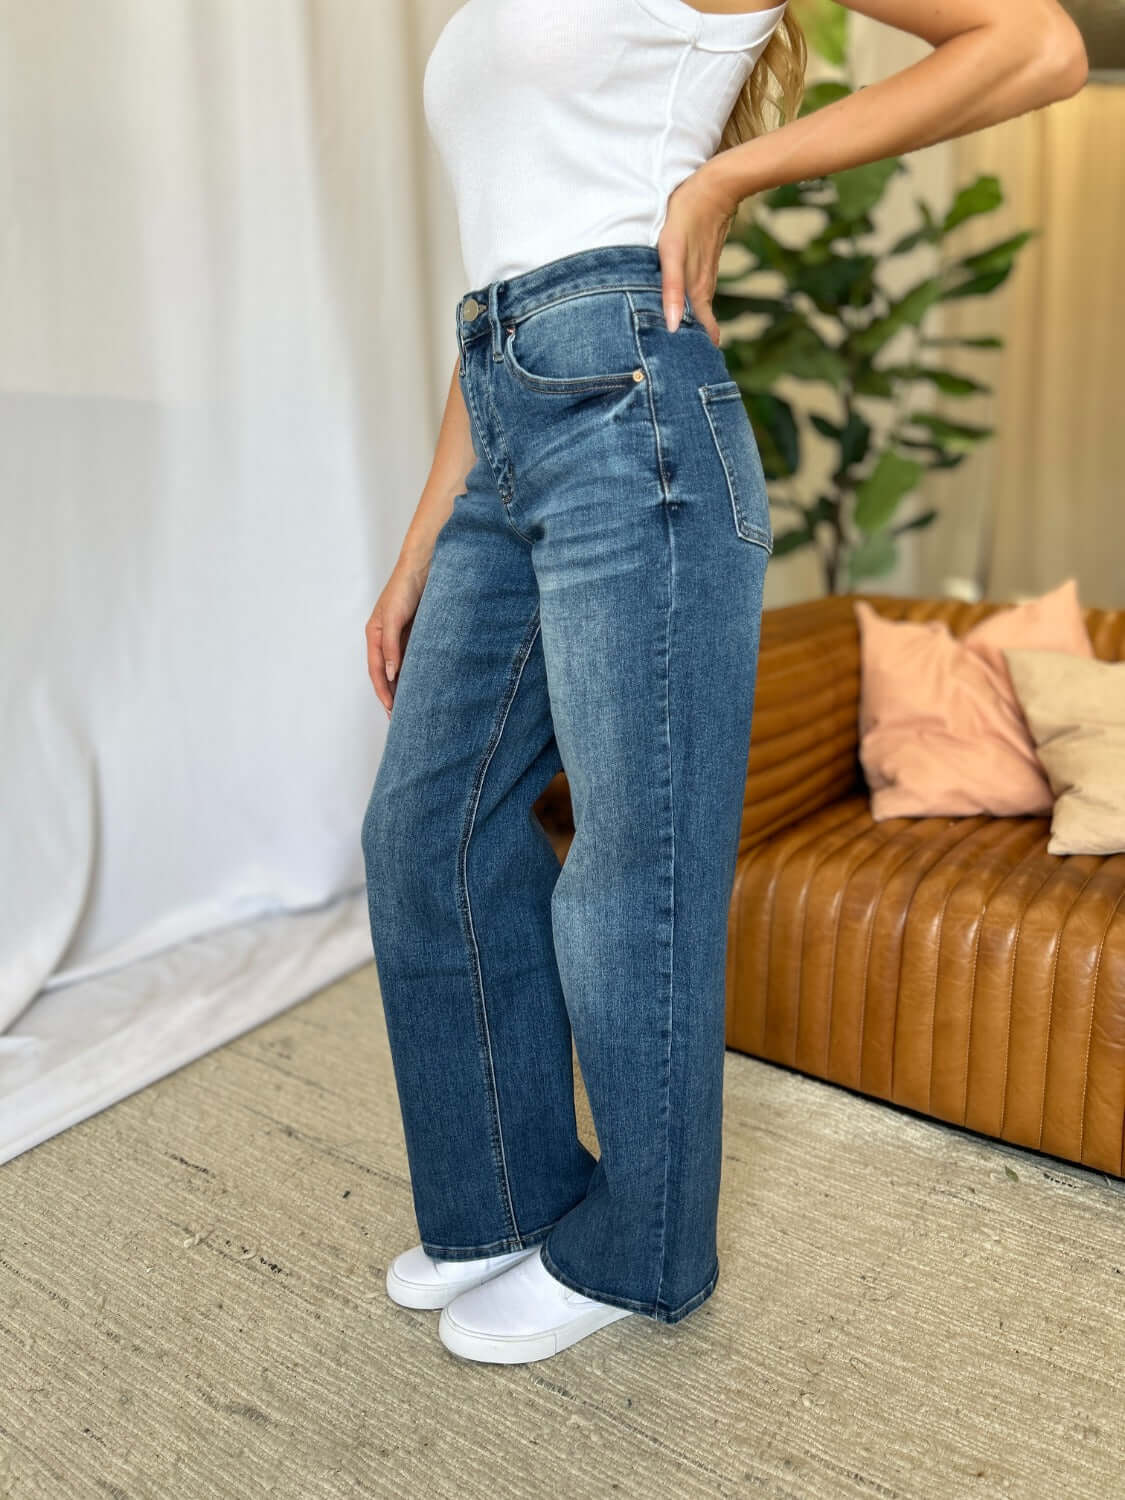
x=453, y=458
x=388, y=626
x=992, y=59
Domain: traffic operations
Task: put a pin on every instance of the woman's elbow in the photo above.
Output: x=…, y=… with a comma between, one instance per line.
x=1060, y=65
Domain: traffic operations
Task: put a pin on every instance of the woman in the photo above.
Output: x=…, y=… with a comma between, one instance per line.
x=581, y=588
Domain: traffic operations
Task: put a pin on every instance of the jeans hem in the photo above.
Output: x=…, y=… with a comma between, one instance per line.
x=497, y=1247
x=660, y=1312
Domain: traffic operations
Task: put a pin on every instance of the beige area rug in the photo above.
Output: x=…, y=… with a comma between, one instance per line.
x=192, y=1305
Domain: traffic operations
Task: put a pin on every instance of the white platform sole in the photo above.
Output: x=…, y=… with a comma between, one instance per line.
x=518, y=1349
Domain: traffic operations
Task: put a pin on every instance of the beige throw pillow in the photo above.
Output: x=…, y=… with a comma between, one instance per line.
x=1075, y=710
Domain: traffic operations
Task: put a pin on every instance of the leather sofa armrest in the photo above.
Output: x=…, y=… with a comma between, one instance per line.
x=805, y=732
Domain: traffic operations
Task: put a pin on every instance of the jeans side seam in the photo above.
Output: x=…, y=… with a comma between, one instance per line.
x=651, y=402
x=496, y=1127
x=506, y=481
x=671, y=552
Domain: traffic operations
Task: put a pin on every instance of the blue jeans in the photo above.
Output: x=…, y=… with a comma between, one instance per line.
x=593, y=604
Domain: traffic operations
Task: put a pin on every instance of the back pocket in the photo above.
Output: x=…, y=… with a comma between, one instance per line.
x=737, y=451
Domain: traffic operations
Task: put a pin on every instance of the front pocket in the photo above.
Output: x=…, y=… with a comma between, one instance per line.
x=737, y=450
x=583, y=342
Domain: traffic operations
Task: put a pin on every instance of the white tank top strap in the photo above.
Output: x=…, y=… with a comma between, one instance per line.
x=717, y=31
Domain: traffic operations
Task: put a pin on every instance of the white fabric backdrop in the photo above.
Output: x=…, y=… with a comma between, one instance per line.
x=226, y=328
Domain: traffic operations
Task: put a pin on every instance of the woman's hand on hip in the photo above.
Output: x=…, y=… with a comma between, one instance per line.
x=696, y=224
x=388, y=626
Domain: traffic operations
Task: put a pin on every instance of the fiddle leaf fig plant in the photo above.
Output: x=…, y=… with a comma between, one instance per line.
x=835, y=322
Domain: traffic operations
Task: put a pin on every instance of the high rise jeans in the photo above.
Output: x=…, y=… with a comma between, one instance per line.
x=593, y=604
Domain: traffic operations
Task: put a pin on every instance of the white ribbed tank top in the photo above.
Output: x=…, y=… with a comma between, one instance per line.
x=566, y=126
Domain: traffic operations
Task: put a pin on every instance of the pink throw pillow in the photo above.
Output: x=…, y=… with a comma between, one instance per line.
x=941, y=730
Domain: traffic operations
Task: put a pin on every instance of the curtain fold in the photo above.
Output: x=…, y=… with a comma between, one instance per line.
x=1042, y=499
x=227, y=295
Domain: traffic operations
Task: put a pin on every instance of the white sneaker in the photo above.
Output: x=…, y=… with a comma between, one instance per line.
x=415, y=1279
x=522, y=1315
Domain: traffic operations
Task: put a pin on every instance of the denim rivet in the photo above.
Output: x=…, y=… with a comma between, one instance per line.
x=638, y=374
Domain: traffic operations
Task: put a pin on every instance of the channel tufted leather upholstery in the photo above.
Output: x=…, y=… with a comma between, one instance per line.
x=948, y=965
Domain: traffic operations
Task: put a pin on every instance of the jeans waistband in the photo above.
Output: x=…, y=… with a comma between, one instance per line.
x=608, y=267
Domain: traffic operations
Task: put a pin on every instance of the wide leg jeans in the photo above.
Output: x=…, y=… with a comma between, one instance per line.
x=593, y=604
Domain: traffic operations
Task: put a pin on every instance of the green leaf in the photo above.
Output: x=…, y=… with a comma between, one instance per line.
x=940, y=458
x=768, y=250
x=833, y=231
x=916, y=524
x=976, y=286
x=858, y=189
x=877, y=496
x=835, y=281
x=817, y=95
x=826, y=30
x=827, y=508
x=793, y=350
x=995, y=257
x=778, y=436
x=806, y=192
x=872, y=557
x=789, y=541
x=979, y=197
x=855, y=440
x=910, y=242
x=907, y=311
x=853, y=437
x=786, y=195
x=960, y=437
x=981, y=341
x=730, y=305
x=946, y=381
x=868, y=381
x=929, y=233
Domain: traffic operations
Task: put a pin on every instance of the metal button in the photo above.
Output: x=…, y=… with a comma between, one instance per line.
x=638, y=374
x=470, y=308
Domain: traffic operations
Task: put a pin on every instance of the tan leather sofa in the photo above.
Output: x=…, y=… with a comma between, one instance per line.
x=949, y=965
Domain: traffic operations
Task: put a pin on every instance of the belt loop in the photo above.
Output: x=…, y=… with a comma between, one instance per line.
x=494, y=319
x=458, y=317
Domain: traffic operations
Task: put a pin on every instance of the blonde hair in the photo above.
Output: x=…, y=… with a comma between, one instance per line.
x=784, y=61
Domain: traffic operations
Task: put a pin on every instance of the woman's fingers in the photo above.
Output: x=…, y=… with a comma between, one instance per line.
x=702, y=278
x=701, y=302
x=700, y=288
x=389, y=626
x=689, y=247
x=382, y=657
x=672, y=249
x=678, y=272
